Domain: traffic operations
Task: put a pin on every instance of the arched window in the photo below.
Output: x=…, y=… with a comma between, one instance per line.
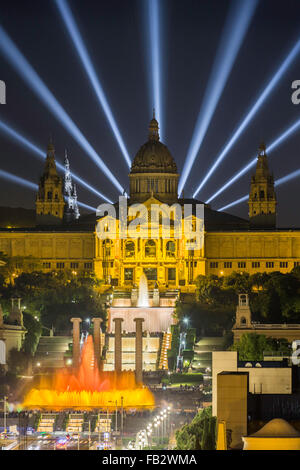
x=170, y=249
x=150, y=249
x=106, y=245
x=243, y=321
x=129, y=250
x=49, y=195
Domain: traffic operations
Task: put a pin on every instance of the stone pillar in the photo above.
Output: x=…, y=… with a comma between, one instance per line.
x=118, y=344
x=76, y=341
x=139, y=350
x=97, y=339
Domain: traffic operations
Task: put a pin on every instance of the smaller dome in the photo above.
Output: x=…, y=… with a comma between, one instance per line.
x=277, y=428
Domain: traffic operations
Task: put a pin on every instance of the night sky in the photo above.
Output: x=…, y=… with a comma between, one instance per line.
x=115, y=35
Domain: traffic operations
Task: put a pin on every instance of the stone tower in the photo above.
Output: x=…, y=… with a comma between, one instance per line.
x=71, y=212
x=50, y=200
x=153, y=171
x=243, y=313
x=262, y=199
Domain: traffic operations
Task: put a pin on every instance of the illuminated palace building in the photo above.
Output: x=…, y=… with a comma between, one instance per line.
x=61, y=239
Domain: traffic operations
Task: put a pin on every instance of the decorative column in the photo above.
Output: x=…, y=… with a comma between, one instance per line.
x=97, y=340
x=118, y=344
x=139, y=349
x=76, y=341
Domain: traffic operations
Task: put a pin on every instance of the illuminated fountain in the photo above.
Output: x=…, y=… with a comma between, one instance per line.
x=143, y=300
x=87, y=388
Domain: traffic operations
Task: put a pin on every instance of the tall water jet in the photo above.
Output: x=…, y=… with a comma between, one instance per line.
x=143, y=300
x=86, y=387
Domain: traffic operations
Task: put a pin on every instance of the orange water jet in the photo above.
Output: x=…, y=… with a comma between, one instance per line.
x=88, y=388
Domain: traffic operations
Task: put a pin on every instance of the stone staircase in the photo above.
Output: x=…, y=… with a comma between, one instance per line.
x=75, y=423
x=166, y=344
x=103, y=424
x=51, y=350
x=46, y=423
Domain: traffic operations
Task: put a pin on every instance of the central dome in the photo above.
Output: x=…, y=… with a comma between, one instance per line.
x=153, y=156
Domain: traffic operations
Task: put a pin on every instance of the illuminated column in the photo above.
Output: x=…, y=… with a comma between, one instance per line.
x=139, y=349
x=76, y=340
x=118, y=344
x=97, y=339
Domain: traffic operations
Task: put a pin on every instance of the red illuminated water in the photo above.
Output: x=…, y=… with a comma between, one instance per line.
x=88, y=388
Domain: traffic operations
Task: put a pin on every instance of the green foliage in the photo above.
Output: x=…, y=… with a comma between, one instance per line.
x=190, y=338
x=206, y=319
x=274, y=297
x=251, y=346
x=188, y=356
x=173, y=351
x=200, y=434
x=54, y=297
x=34, y=331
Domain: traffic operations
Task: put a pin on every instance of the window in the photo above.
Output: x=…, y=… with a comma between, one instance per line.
x=261, y=194
x=151, y=274
x=46, y=265
x=296, y=263
x=88, y=265
x=74, y=265
x=129, y=250
x=284, y=264
x=241, y=264
x=150, y=249
x=106, y=248
x=227, y=264
x=60, y=265
x=171, y=274
x=269, y=264
x=213, y=264
x=49, y=195
x=255, y=264
x=128, y=274
x=170, y=249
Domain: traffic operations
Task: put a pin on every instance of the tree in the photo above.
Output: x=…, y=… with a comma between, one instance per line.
x=251, y=346
x=55, y=297
x=199, y=434
x=34, y=331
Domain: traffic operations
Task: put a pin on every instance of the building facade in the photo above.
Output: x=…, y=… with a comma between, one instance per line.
x=229, y=244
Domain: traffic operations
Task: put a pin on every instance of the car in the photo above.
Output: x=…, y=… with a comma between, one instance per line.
x=61, y=444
